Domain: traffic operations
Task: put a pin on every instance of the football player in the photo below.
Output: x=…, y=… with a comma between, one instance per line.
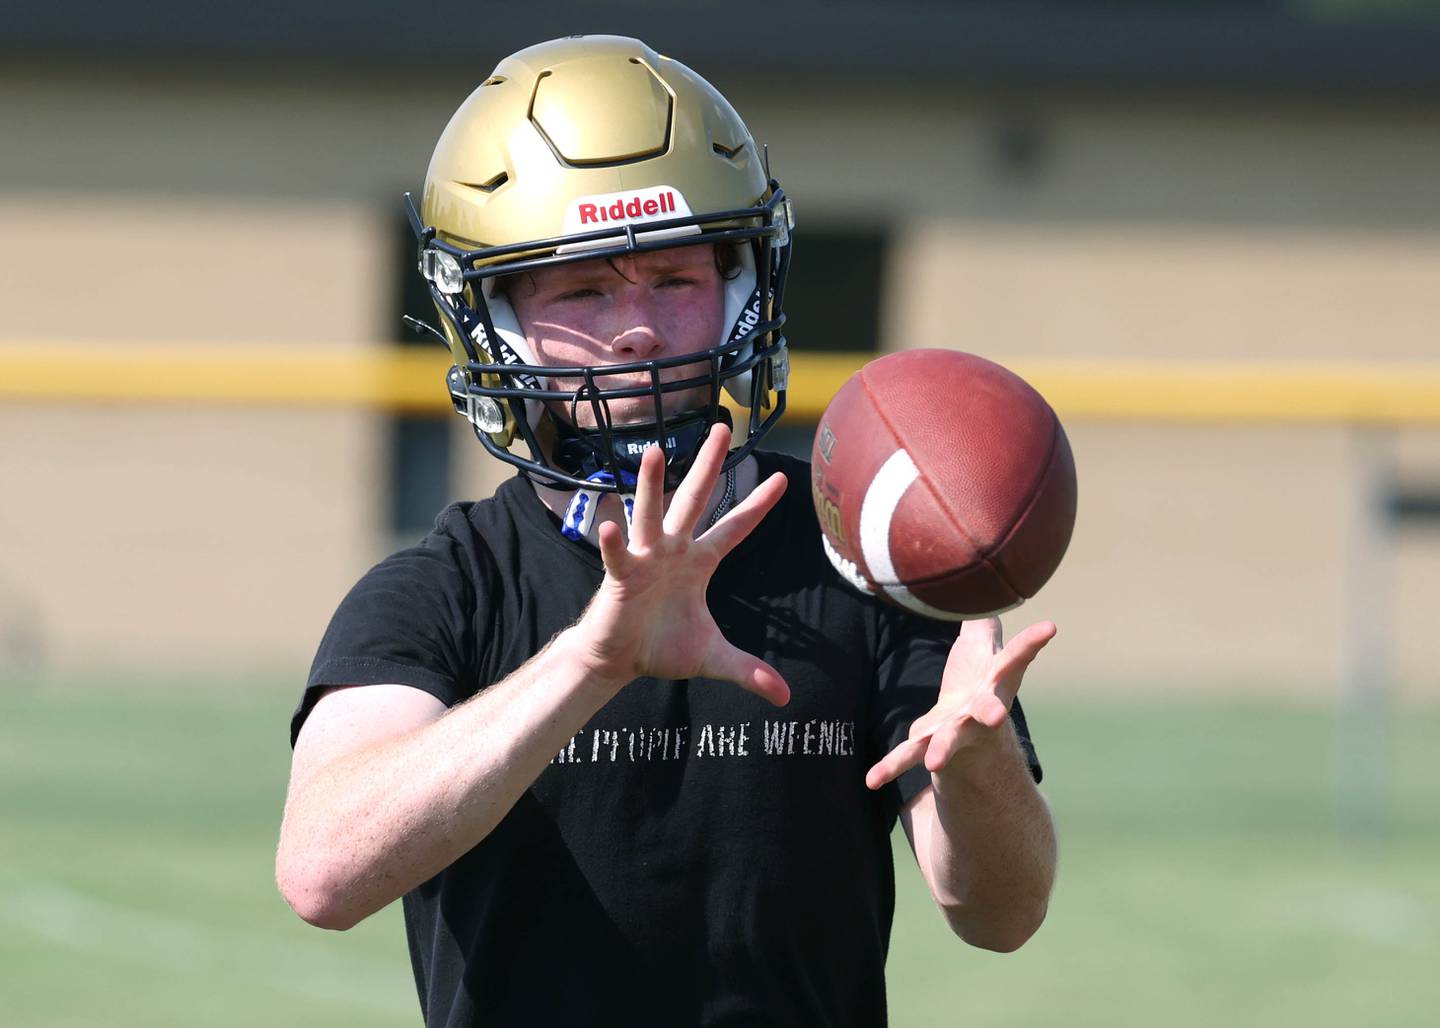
x=626, y=745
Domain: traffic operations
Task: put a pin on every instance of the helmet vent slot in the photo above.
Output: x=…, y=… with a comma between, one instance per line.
x=493, y=80
x=491, y=185
x=728, y=152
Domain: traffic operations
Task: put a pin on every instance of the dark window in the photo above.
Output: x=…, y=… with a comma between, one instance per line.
x=832, y=302
x=1416, y=506
x=832, y=299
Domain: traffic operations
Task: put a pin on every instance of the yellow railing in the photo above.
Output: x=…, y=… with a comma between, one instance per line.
x=404, y=379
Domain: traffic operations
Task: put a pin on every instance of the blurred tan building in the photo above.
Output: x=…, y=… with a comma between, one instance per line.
x=257, y=201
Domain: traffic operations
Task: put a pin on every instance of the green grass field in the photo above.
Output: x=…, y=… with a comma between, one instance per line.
x=1203, y=878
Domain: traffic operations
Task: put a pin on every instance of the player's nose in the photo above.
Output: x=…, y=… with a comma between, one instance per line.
x=638, y=335
x=638, y=344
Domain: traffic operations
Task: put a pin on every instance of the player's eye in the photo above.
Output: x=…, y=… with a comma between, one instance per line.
x=583, y=293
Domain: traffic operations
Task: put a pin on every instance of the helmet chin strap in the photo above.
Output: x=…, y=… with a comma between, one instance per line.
x=681, y=445
x=577, y=451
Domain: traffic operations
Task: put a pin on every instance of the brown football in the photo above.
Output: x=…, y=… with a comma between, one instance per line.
x=944, y=484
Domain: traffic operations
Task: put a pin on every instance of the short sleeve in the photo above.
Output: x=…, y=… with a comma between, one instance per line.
x=912, y=658
x=411, y=620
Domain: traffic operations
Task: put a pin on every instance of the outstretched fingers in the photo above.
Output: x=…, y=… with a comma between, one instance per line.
x=619, y=561
x=984, y=633
x=895, y=763
x=1031, y=641
x=688, y=503
x=645, y=519
x=741, y=521
x=948, y=738
x=1011, y=662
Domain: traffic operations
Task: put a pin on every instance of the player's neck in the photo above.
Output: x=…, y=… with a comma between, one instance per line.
x=746, y=478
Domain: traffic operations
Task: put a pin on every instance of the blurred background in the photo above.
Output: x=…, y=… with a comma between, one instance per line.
x=1208, y=231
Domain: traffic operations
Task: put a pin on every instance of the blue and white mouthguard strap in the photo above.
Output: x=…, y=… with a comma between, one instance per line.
x=580, y=515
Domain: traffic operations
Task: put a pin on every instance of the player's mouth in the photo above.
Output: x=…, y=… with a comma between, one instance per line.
x=626, y=411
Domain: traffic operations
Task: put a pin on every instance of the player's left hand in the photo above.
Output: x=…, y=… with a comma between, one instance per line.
x=979, y=684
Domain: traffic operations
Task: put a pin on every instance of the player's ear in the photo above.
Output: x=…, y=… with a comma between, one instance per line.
x=727, y=260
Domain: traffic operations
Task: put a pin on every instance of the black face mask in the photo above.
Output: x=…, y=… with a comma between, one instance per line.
x=493, y=387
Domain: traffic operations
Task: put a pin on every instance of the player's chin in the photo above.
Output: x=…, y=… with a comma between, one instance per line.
x=640, y=410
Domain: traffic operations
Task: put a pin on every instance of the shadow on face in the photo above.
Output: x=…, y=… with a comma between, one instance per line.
x=646, y=307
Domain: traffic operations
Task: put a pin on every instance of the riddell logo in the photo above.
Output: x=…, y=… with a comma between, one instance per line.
x=628, y=210
x=638, y=449
x=632, y=207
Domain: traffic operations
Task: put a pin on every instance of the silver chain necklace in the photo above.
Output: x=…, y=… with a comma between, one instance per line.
x=726, y=498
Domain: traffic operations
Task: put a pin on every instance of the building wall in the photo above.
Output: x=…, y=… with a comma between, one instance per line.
x=178, y=535
x=184, y=539
x=231, y=206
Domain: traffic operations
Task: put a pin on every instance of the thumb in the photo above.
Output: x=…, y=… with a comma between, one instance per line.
x=731, y=664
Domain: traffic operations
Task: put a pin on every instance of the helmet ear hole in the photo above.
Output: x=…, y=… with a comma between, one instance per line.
x=729, y=260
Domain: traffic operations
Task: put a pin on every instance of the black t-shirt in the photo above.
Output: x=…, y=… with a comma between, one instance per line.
x=694, y=855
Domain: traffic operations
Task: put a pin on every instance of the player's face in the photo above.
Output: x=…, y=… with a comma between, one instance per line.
x=650, y=306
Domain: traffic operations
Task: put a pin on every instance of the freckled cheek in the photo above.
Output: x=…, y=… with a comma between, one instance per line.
x=554, y=352
x=694, y=328
x=685, y=336
x=567, y=345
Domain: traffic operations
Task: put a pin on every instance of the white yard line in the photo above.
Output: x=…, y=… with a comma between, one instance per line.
x=1379, y=915
x=68, y=918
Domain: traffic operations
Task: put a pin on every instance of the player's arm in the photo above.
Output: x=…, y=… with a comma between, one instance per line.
x=387, y=788
x=985, y=843
x=982, y=832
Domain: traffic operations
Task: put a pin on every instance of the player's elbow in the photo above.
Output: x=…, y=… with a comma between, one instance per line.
x=999, y=941
x=320, y=910
x=1001, y=932
x=313, y=896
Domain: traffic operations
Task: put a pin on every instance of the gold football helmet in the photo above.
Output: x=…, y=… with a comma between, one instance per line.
x=592, y=147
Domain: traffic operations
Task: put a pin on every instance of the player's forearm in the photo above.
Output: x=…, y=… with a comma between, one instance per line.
x=374, y=824
x=992, y=848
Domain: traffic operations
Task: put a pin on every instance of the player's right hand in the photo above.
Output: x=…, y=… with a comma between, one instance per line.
x=649, y=616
